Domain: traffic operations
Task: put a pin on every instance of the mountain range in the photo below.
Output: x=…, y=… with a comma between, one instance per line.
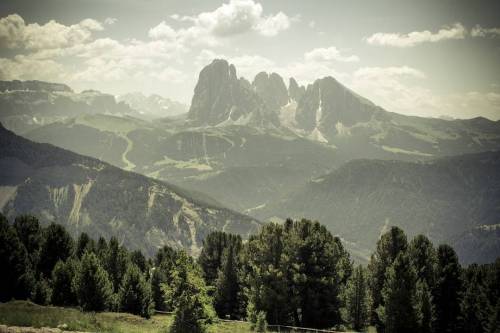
x=87, y=195
x=152, y=106
x=271, y=148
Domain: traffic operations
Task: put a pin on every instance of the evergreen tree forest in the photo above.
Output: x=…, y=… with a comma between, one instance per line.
x=295, y=273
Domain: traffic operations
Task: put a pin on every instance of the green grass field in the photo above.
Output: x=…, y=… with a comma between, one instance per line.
x=23, y=313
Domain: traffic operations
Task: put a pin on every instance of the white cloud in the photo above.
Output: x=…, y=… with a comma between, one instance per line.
x=456, y=31
x=272, y=25
x=162, y=31
x=55, y=52
x=376, y=73
x=15, y=33
x=389, y=87
x=232, y=18
x=479, y=31
x=329, y=54
x=169, y=74
x=25, y=68
x=110, y=20
x=400, y=89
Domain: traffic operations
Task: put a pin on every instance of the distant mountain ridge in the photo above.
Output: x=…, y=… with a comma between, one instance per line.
x=88, y=195
x=454, y=200
x=33, y=85
x=152, y=106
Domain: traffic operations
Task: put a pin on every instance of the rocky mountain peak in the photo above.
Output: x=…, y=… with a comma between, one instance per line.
x=295, y=92
x=221, y=98
x=271, y=88
x=327, y=104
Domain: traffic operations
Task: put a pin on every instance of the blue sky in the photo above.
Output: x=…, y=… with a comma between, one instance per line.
x=428, y=58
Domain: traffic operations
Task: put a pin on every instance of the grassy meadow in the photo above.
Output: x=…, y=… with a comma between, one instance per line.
x=24, y=313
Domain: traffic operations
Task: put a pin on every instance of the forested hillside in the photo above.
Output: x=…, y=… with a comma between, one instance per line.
x=296, y=274
x=87, y=195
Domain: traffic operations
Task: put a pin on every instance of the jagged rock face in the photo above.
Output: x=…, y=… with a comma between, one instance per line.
x=295, y=92
x=87, y=195
x=327, y=102
x=272, y=89
x=219, y=96
x=33, y=85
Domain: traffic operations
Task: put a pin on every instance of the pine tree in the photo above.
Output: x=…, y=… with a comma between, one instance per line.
x=93, y=288
x=226, y=300
x=102, y=250
x=63, y=275
x=212, y=253
x=424, y=307
x=398, y=294
x=356, y=300
x=157, y=279
x=30, y=234
x=138, y=259
x=84, y=243
x=193, y=309
x=494, y=321
x=15, y=264
x=267, y=286
x=135, y=293
x=447, y=290
x=116, y=263
x=474, y=308
x=423, y=259
x=42, y=292
x=57, y=245
x=389, y=246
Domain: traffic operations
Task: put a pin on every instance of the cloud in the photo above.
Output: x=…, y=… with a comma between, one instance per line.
x=390, y=88
x=456, y=31
x=479, y=31
x=329, y=54
x=401, y=90
x=272, y=25
x=110, y=20
x=16, y=34
x=376, y=73
x=232, y=18
x=25, y=68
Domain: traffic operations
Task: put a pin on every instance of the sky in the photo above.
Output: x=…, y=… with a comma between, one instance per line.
x=428, y=58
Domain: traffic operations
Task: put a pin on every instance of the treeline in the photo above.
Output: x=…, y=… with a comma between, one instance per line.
x=294, y=273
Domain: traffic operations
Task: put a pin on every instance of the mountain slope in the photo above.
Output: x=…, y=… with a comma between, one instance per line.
x=88, y=195
x=211, y=159
x=454, y=200
x=26, y=105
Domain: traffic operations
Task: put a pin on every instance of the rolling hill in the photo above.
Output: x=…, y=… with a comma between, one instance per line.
x=455, y=200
